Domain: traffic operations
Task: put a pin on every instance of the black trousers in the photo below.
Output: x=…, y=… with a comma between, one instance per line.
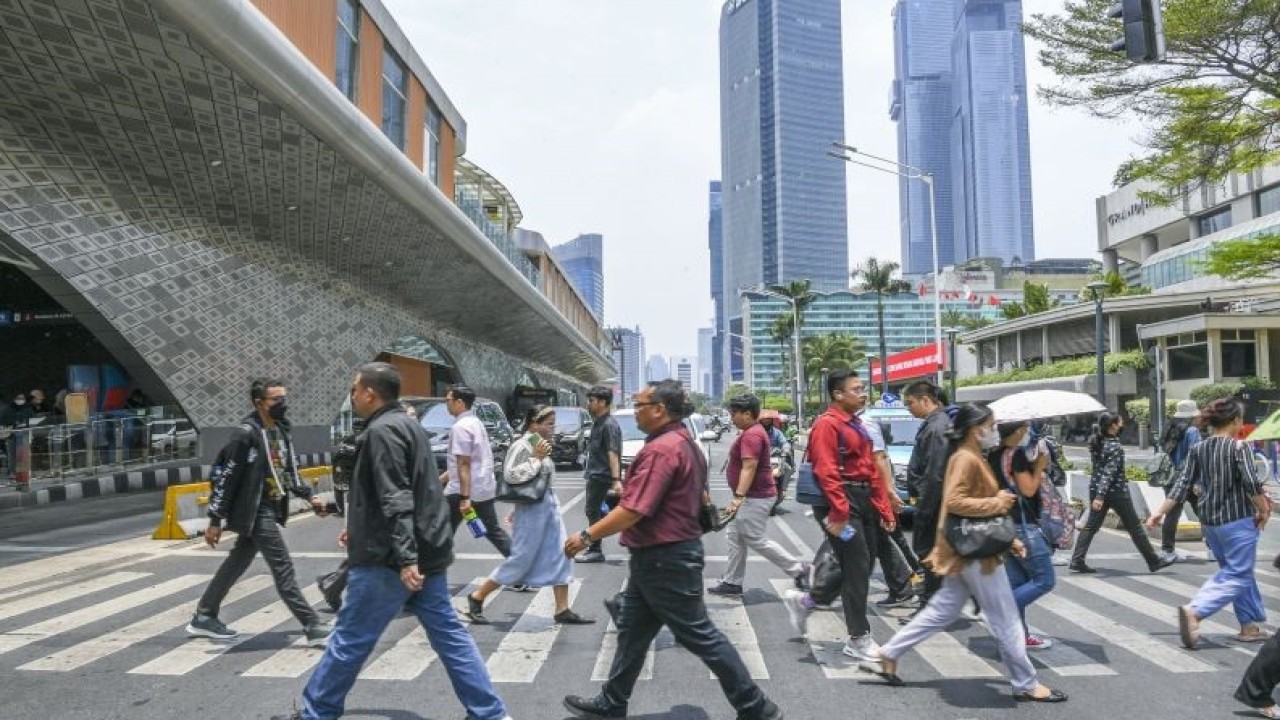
x=1262, y=676
x=1169, y=530
x=895, y=563
x=855, y=557
x=1119, y=501
x=267, y=539
x=923, y=536
x=487, y=511
x=665, y=588
x=597, y=489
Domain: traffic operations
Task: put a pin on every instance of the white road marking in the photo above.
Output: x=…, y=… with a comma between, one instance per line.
x=68, y=592
x=730, y=617
x=1124, y=637
x=609, y=648
x=524, y=649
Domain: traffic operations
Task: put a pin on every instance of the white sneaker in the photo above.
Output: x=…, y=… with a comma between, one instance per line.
x=1061, y=560
x=862, y=648
x=793, y=601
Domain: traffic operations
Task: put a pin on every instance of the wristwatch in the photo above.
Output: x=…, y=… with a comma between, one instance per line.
x=736, y=496
x=585, y=537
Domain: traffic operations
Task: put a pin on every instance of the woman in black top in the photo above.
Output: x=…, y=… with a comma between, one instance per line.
x=1233, y=510
x=1109, y=489
x=1031, y=576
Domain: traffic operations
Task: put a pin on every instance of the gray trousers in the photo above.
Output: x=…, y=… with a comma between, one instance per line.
x=266, y=539
x=994, y=594
x=750, y=530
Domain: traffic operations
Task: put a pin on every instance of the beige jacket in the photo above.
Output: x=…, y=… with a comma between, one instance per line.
x=969, y=489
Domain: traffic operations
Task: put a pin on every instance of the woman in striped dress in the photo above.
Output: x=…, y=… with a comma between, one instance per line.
x=1233, y=511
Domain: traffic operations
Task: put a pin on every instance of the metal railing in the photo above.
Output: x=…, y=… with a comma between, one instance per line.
x=57, y=452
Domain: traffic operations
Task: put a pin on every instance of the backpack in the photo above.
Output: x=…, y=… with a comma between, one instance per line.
x=1173, y=438
x=1055, y=472
x=1057, y=518
x=1160, y=470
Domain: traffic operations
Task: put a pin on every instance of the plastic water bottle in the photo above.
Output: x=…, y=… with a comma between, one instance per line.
x=604, y=508
x=473, y=523
x=847, y=533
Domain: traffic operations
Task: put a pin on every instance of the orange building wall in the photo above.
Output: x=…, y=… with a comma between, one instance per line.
x=448, y=149
x=312, y=26
x=369, y=89
x=415, y=125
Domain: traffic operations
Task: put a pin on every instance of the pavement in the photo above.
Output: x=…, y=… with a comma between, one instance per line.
x=92, y=615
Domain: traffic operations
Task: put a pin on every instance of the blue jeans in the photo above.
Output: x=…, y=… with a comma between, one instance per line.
x=1234, y=545
x=374, y=597
x=1032, y=577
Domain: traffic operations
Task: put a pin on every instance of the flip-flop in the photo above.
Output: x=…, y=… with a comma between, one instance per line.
x=1188, y=627
x=1253, y=637
x=1054, y=696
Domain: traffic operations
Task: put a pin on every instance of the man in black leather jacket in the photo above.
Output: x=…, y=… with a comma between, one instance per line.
x=399, y=546
x=925, y=471
x=253, y=476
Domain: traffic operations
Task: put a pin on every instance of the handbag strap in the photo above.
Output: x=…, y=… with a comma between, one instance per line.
x=839, y=445
x=699, y=460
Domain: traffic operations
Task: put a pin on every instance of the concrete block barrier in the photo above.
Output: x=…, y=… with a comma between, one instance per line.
x=184, y=512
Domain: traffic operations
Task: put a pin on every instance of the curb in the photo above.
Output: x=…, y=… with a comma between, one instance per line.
x=147, y=480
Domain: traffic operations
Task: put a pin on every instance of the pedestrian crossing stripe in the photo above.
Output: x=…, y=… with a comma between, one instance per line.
x=525, y=647
x=82, y=588
x=609, y=648
x=1153, y=609
x=1123, y=636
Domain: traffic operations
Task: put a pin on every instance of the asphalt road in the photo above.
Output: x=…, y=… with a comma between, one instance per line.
x=97, y=632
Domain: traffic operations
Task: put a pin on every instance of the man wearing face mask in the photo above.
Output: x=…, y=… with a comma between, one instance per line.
x=251, y=481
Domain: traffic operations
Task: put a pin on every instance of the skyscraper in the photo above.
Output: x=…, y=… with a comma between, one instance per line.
x=682, y=369
x=657, y=369
x=781, y=106
x=629, y=362
x=706, y=345
x=920, y=102
x=715, y=243
x=960, y=101
x=583, y=261
x=990, y=139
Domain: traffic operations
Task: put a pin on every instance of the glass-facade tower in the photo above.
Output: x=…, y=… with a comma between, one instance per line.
x=582, y=260
x=715, y=243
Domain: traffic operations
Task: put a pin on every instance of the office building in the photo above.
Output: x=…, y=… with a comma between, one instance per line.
x=682, y=368
x=628, y=361
x=920, y=104
x=657, y=369
x=706, y=345
x=715, y=243
x=583, y=261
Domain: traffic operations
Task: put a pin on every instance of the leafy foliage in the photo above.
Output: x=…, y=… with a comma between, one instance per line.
x=1211, y=105
x=1117, y=286
x=880, y=277
x=1036, y=298
x=965, y=321
x=835, y=351
x=1248, y=259
x=1113, y=362
x=1205, y=394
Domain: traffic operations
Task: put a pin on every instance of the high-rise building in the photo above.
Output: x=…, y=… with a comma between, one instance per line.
x=583, y=261
x=781, y=106
x=920, y=103
x=629, y=363
x=658, y=369
x=706, y=347
x=960, y=100
x=990, y=138
x=682, y=369
x=715, y=243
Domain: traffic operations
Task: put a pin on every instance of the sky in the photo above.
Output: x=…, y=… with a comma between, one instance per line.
x=603, y=116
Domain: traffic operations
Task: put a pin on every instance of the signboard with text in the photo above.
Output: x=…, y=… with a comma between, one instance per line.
x=921, y=362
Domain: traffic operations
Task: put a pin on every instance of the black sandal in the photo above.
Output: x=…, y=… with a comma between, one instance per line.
x=569, y=617
x=1054, y=696
x=475, y=611
x=876, y=667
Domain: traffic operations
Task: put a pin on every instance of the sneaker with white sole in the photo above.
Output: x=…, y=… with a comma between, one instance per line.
x=1038, y=642
x=862, y=647
x=210, y=627
x=318, y=634
x=793, y=601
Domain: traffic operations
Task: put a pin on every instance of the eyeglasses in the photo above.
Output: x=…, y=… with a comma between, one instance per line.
x=859, y=391
x=642, y=404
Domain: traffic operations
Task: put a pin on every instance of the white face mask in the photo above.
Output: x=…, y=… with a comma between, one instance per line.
x=989, y=439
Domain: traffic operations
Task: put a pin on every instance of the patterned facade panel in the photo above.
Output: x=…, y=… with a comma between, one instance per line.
x=212, y=235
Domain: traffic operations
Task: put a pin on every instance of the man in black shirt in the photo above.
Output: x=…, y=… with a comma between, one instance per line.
x=925, y=471
x=603, y=472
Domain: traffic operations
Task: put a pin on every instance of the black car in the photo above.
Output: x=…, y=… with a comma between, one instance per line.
x=573, y=427
x=435, y=418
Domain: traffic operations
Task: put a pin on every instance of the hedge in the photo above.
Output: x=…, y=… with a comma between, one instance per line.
x=1114, y=362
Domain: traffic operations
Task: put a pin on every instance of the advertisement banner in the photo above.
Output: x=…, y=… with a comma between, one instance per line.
x=920, y=362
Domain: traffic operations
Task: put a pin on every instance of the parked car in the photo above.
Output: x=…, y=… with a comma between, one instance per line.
x=569, y=443
x=173, y=437
x=633, y=437
x=899, y=428
x=436, y=420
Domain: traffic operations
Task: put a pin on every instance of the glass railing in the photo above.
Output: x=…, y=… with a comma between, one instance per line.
x=56, y=452
x=498, y=236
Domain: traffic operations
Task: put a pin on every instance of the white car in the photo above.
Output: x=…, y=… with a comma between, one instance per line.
x=633, y=437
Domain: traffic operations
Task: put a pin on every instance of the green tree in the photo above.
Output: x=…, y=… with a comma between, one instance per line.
x=834, y=351
x=878, y=276
x=966, y=321
x=1036, y=298
x=1248, y=259
x=1117, y=286
x=736, y=389
x=1013, y=310
x=1211, y=105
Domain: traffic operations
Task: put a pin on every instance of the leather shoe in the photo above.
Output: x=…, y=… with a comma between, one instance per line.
x=569, y=617
x=767, y=711
x=1162, y=562
x=595, y=707
x=613, y=604
x=1081, y=568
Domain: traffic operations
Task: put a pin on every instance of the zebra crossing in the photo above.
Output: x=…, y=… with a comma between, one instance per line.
x=1105, y=628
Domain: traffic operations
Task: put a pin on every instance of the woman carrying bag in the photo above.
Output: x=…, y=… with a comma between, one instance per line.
x=965, y=555
x=1233, y=511
x=537, y=533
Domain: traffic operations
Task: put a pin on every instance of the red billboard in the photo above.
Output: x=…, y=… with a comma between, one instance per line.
x=921, y=362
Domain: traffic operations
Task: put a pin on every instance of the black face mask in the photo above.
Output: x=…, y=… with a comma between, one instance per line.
x=278, y=410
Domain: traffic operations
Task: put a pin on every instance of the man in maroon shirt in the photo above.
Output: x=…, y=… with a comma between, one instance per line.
x=750, y=477
x=857, y=500
x=658, y=519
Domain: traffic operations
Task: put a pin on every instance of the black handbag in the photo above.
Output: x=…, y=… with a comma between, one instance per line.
x=710, y=519
x=525, y=493
x=975, y=538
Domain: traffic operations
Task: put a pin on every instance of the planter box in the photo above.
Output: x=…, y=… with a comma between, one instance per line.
x=1145, y=499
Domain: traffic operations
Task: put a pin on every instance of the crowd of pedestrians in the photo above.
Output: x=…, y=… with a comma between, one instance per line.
x=981, y=488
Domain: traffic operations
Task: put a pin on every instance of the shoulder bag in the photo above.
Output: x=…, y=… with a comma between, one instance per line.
x=525, y=493
x=808, y=491
x=710, y=519
x=977, y=538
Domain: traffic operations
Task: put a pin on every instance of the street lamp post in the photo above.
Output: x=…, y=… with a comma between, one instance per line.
x=951, y=364
x=1097, y=288
x=911, y=173
x=795, y=339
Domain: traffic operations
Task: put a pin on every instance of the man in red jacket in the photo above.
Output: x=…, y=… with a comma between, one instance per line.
x=857, y=499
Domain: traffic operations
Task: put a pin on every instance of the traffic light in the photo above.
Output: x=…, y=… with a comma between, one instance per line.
x=1143, y=40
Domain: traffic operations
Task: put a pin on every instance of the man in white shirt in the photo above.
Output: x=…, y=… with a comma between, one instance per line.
x=469, y=481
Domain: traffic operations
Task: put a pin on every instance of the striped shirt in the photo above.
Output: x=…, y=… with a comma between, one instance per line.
x=1221, y=470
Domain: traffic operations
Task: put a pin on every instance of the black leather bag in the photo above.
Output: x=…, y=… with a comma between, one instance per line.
x=710, y=519
x=975, y=538
x=525, y=493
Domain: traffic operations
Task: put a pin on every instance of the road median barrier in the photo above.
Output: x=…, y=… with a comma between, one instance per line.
x=185, y=506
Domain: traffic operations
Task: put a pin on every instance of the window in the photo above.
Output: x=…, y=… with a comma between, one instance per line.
x=395, y=92
x=1189, y=357
x=1269, y=201
x=433, y=143
x=1212, y=222
x=1239, y=354
x=348, y=48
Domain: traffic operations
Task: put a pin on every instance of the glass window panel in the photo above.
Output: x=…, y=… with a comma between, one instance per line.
x=1269, y=201
x=394, y=92
x=1239, y=359
x=1214, y=221
x=1190, y=362
x=348, y=55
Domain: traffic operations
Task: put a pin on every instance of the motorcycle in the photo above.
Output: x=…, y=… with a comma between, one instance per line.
x=783, y=469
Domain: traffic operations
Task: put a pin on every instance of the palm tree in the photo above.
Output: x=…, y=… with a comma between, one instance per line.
x=784, y=328
x=834, y=351
x=878, y=277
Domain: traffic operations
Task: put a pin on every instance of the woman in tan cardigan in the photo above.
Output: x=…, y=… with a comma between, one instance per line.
x=970, y=490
